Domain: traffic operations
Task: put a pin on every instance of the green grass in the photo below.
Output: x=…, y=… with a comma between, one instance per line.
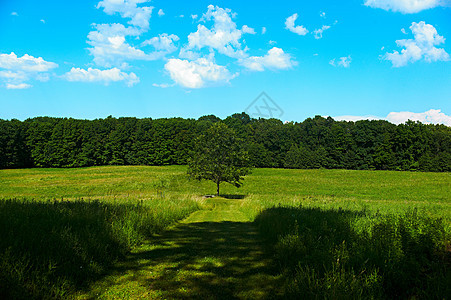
x=51, y=249
x=343, y=254
x=331, y=233
x=383, y=190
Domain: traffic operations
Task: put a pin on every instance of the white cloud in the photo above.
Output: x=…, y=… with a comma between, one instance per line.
x=163, y=43
x=163, y=85
x=271, y=42
x=422, y=46
x=432, y=116
x=110, y=47
x=160, y=13
x=139, y=15
x=13, y=75
x=20, y=86
x=319, y=32
x=403, y=31
x=322, y=14
x=275, y=59
x=198, y=73
x=223, y=37
x=263, y=30
x=14, y=14
x=194, y=17
x=289, y=24
x=247, y=29
x=42, y=21
x=15, y=71
x=26, y=63
x=404, y=6
x=344, y=62
x=104, y=76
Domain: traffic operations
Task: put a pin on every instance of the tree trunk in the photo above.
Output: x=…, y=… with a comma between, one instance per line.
x=217, y=190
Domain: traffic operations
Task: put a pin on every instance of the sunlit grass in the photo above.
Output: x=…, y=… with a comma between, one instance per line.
x=378, y=190
x=216, y=250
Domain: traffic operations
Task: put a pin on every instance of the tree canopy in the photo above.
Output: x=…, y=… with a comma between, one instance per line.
x=314, y=143
x=219, y=156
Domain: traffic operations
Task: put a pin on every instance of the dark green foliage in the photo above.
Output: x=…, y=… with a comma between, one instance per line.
x=314, y=143
x=338, y=254
x=219, y=156
x=50, y=249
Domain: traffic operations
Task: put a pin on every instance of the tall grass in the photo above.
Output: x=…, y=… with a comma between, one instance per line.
x=343, y=254
x=50, y=249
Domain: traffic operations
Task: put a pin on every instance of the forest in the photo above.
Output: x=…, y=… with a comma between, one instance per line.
x=314, y=143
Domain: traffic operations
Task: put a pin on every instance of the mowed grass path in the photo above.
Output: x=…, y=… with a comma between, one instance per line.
x=216, y=253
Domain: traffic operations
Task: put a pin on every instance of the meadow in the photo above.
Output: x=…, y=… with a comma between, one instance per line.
x=98, y=232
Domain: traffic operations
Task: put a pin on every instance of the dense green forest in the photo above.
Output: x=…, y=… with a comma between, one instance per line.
x=314, y=143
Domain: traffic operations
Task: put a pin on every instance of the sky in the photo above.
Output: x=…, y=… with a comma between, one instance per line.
x=352, y=60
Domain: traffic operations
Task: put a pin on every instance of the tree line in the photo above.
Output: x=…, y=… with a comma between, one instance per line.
x=314, y=143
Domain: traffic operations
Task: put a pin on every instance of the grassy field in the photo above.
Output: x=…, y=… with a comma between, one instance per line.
x=374, y=190
x=285, y=233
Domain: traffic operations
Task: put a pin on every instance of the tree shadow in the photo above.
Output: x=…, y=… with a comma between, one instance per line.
x=210, y=260
x=344, y=254
x=233, y=196
x=50, y=248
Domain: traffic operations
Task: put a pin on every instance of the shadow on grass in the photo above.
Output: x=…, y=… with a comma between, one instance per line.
x=210, y=260
x=239, y=197
x=49, y=249
x=342, y=254
x=52, y=249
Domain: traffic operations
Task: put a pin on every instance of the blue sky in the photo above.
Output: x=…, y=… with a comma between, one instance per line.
x=387, y=59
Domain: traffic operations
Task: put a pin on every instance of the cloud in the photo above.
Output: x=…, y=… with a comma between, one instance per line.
x=194, y=17
x=42, y=21
x=247, y=29
x=404, y=6
x=289, y=24
x=160, y=13
x=422, y=46
x=139, y=15
x=344, y=62
x=26, y=63
x=163, y=85
x=263, y=30
x=163, y=43
x=322, y=14
x=275, y=59
x=104, y=76
x=15, y=71
x=110, y=47
x=432, y=116
x=319, y=32
x=224, y=36
x=14, y=14
x=198, y=73
x=20, y=86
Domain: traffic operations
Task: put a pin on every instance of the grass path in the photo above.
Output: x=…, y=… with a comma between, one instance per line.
x=215, y=253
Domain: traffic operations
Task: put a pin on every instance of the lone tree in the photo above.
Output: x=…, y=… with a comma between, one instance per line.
x=219, y=156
